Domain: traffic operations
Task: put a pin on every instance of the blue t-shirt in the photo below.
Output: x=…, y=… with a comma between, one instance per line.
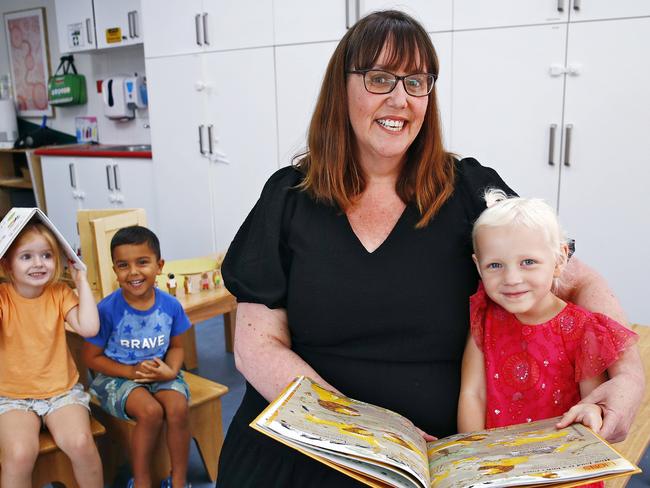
x=130, y=336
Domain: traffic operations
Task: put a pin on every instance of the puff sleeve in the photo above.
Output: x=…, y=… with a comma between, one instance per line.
x=478, y=304
x=257, y=263
x=603, y=340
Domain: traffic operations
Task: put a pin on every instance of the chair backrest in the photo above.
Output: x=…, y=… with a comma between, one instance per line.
x=96, y=229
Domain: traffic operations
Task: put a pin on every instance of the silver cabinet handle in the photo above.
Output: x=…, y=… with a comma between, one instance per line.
x=73, y=180
x=135, y=24
x=201, y=150
x=352, y=12
x=206, y=41
x=551, y=145
x=89, y=35
x=560, y=5
x=576, y=5
x=109, y=185
x=210, y=138
x=116, y=177
x=197, y=27
x=130, y=20
x=567, y=144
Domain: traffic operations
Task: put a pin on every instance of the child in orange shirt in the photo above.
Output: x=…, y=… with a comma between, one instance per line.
x=38, y=377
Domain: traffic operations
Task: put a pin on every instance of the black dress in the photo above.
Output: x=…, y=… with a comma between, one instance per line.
x=387, y=327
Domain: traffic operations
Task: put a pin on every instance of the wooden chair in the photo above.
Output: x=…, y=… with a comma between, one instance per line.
x=96, y=229
x=52, y=465
x=205, y=428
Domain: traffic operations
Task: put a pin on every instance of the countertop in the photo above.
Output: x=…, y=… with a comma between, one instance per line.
x=98, y=150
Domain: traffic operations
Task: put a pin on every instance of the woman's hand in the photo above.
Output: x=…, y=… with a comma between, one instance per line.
x=588, y=414
x=425, y=436
x=155, y=370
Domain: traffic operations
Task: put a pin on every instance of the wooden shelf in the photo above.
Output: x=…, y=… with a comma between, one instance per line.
x=16, y=183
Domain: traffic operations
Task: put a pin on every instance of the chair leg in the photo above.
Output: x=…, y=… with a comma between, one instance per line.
x=53, y=466
x=208, y=436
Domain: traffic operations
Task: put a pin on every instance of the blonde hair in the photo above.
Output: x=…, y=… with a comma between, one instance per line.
x=40, y=229
x=533, y=213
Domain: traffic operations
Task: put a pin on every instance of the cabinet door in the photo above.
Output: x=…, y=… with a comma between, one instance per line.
x=299, y=74
x=472, y=14
x=297, y=21
x=176, y=113
x=133, y=183
x=434, y=15
x=442, y=42
x=603, y=200
x=234, y=25
x=174, y=29
x=75, y=24
x=60, y=184
x=606, y=9
x=95, y=182
x=118, y=23
x=505, y=101
x=244, y=151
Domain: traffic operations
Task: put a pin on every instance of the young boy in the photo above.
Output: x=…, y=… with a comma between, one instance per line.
x=138, y=354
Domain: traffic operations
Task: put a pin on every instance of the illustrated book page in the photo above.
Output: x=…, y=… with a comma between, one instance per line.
x=384, y=449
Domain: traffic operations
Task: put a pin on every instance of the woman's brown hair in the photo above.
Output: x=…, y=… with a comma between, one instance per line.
x=34, y=228
x=332, y=173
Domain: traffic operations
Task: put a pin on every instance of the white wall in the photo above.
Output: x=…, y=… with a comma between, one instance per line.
x=94, y=66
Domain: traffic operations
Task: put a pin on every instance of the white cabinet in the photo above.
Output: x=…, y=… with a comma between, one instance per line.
x=300, y=21
x=73, y=183
x=604, y=180
x=473, y=14
x=210, y=168
x=75, y=24
x=434, y=15
x=177, y=110
x=62, y=192
x=83, y=25
x=195, y=26
x=299, y=74
x=241, y=107
x=118, y=23
x=507, y=103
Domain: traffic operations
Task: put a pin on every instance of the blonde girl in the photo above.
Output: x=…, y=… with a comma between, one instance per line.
x=38, y=378
x=530, y=355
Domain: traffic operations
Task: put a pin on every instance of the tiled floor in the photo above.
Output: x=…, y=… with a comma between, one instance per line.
x=217, y=365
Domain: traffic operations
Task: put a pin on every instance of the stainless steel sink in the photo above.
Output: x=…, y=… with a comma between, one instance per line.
x=126, y=147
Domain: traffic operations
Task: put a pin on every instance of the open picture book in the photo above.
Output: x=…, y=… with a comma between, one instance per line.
x=384, y=449
x=18, y=217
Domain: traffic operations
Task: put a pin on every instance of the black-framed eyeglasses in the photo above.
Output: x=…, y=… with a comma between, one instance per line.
x=381, y=82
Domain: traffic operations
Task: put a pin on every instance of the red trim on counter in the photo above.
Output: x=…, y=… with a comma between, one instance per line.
x=90, y=151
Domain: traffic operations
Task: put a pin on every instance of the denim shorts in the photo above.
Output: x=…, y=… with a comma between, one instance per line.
x=45, y=406
x=112, y=392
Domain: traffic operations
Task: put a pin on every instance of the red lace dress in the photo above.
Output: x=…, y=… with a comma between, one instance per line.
x=533, y=371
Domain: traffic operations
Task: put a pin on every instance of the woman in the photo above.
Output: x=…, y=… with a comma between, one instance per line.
x=354, y=268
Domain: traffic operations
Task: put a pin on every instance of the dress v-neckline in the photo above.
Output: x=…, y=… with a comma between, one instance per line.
x=383, y=243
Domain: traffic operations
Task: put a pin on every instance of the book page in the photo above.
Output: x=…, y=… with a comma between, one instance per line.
x=525, y=454
x=307, y=414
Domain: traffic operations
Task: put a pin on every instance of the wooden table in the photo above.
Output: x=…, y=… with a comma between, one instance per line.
x=202, y=306
x=636, y=443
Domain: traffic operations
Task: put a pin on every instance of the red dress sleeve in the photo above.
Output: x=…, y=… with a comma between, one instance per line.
x=478, y=303
x=602, y=342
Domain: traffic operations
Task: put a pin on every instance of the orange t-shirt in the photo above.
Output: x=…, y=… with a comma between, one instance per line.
x=34, y=358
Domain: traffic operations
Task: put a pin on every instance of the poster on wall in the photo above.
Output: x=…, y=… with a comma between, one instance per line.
x=29, y=61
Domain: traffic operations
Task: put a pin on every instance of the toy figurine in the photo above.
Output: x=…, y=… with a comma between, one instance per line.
x=186, y=285
x=171, y=284
x=216, y=277
x=205, y=282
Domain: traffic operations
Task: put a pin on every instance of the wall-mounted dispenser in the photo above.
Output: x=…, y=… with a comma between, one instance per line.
x=122, y=94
